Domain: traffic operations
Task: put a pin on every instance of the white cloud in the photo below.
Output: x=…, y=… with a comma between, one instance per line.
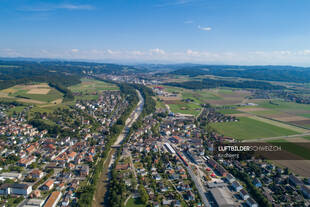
x=192, y=53
x=137, y=52
x=275, y=57
x=204, y=28
x=157, y=51
x=76, y=7
x=175, y=3
x=75, y=50
x=111, y=52
x=53, y=7
x=8, y=52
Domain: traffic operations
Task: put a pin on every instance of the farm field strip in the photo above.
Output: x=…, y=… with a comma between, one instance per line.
x=279, y=124
x=294, y=148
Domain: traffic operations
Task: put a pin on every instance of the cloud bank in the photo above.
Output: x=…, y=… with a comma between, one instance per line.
x=158, y=55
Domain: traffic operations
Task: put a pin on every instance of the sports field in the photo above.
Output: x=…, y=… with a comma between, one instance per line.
x=248, y=128
x=185, y=108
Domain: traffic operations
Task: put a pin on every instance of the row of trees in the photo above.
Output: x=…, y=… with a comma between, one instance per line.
x=255, y=192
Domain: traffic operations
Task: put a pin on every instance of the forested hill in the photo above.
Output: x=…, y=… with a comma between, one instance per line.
x=267, y=73
x=12, y=74
x=56, y=72
x=71, y=67
x=211, y=83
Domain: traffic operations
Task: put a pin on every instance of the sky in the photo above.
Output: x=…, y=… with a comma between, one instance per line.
x=244, y=32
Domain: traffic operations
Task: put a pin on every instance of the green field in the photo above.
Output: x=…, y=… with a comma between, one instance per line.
x=52, y=95
x=306, y=137
x=293, y=148
x=229, y=111
x=248, y=128
x=135, y=203
x=289, y=107
x=185, y=108
x=24, y=92
x=160, y=105
x=91, y=85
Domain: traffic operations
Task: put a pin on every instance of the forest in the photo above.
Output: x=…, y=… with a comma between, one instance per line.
x=267, y=73
x=212, y=83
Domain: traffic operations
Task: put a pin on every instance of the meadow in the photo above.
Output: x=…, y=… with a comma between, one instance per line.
x=33, y=93
x=247, y=129
x=217, y=97
x=91, y=86
x=282, y=111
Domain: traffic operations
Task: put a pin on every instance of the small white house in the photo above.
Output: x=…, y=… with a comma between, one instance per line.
x=244, y=194
x=251, y=202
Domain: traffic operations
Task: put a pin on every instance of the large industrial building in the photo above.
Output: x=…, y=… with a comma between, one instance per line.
x=223, y=197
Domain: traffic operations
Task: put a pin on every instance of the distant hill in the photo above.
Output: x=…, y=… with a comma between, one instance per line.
x=267, y=73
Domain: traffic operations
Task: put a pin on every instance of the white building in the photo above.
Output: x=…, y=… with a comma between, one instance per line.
x=15, y=189
x=251, y=202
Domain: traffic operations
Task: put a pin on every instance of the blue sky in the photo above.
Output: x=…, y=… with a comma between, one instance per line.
x=158, y=31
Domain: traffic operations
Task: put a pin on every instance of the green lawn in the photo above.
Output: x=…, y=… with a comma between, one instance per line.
x=90, y=86
x=293, y=148
x=248, y=128
x=189, y=108
x=17, y=109
x=135, y=203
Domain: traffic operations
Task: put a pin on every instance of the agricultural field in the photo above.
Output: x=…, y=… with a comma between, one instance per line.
x=34, y=93
x=216, y=97
x=294, y=148
x=298, y=152
x=248, y=128
x=91, y=86
x=286, y=112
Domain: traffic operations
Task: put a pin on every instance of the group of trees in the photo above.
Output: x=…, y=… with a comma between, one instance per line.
x=68, y=95
x=255, y=192
x=212, y=83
